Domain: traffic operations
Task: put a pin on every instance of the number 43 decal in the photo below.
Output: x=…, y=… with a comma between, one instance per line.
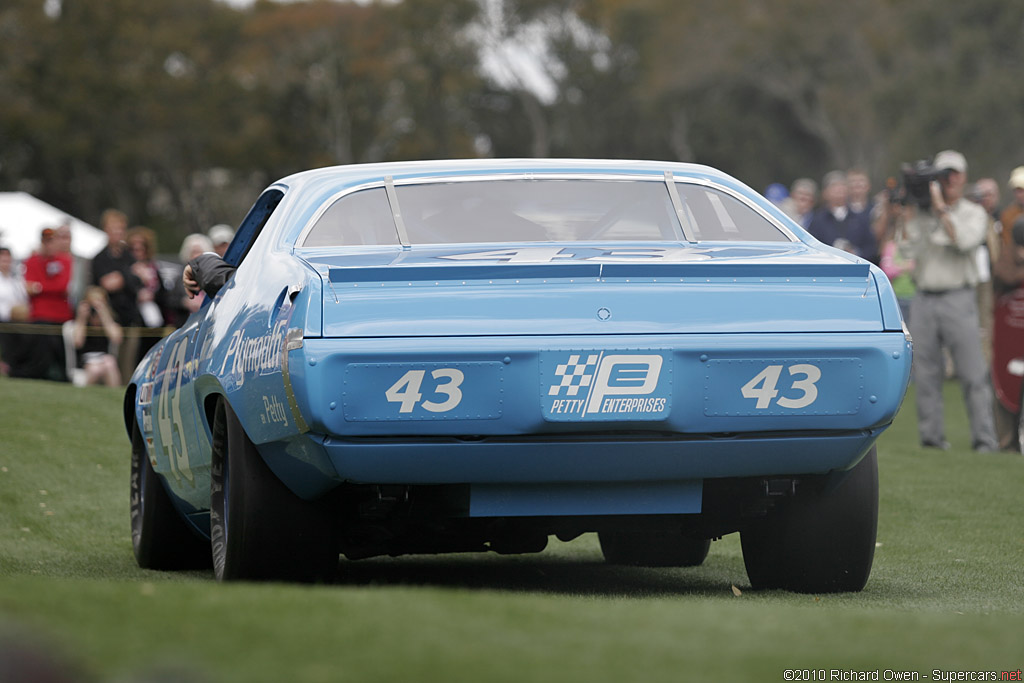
x=406, y=391
x=762, y=386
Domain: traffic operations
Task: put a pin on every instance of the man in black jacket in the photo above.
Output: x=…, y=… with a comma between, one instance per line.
x=112, y=269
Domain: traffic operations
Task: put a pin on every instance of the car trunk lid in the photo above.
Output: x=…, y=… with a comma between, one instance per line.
x=576, y=290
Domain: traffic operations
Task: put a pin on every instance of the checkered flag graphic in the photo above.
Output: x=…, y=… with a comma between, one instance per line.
x=574, y=375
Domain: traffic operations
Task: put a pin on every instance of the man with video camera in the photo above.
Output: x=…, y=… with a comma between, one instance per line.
x=941, y=230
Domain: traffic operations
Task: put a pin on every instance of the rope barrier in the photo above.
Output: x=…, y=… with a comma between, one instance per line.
x=56, y=329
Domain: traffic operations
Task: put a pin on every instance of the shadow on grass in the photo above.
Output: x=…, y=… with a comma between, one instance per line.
x=536, y=575
x=539, y=574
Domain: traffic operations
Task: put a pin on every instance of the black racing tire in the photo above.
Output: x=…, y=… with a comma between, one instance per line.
x=822, y=540
x=259, y=529
x=653, y=548
x=161, y=538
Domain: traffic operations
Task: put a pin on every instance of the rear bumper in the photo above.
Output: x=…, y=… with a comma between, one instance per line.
x=571, y=460
x=540, y=476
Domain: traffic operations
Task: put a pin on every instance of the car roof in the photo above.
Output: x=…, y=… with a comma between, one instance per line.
x=426, y=168
x=339, y=177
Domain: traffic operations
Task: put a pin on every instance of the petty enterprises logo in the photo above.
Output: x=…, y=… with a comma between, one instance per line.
x=589, y=385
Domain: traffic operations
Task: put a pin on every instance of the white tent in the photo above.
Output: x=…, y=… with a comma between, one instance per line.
x=23, y=217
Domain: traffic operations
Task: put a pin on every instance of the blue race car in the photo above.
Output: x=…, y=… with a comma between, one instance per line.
x=476, y=355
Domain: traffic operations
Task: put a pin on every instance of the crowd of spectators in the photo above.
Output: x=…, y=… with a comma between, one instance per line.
x=92, y=327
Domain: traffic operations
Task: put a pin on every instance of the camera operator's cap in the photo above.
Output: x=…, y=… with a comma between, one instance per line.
x=1017, y=178
x=221, y=234
x=950, y=160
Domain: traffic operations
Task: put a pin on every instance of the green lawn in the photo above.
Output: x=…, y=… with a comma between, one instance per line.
x=947, y=590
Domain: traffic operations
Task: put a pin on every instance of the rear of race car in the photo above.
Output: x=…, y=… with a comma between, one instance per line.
x=469, y=361
x=661, y=396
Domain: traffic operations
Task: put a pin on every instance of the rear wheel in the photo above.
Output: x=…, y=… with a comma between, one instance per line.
x=259, y=529
x=653, y=548
x=822, y=540
x=161, y=538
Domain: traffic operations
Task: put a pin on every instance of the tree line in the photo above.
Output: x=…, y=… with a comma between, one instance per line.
x=180, y=111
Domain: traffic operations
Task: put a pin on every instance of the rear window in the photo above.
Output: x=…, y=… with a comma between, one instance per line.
x=545, y=210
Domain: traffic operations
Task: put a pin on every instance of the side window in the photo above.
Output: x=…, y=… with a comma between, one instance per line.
x=362, y=217
x=252, y=225
x=717, y=216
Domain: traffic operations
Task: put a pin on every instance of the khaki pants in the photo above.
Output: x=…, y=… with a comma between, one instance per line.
x=949, y=320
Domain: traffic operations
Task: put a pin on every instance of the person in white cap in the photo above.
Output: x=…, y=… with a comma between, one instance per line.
x=942, y=239
x=221, y=236
x=1015, y=208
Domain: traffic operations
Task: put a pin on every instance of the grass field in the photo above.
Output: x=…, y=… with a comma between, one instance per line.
x=946, y=593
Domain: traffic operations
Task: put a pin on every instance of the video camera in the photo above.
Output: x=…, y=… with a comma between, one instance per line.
x=917, y=179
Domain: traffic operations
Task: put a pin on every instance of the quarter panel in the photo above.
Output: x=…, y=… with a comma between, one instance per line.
x=244, y=344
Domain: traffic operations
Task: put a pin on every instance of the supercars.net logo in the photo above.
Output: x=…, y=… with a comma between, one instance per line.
x=619, y=385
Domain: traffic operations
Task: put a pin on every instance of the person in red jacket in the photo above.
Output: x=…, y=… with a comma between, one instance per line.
x=47, y=278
